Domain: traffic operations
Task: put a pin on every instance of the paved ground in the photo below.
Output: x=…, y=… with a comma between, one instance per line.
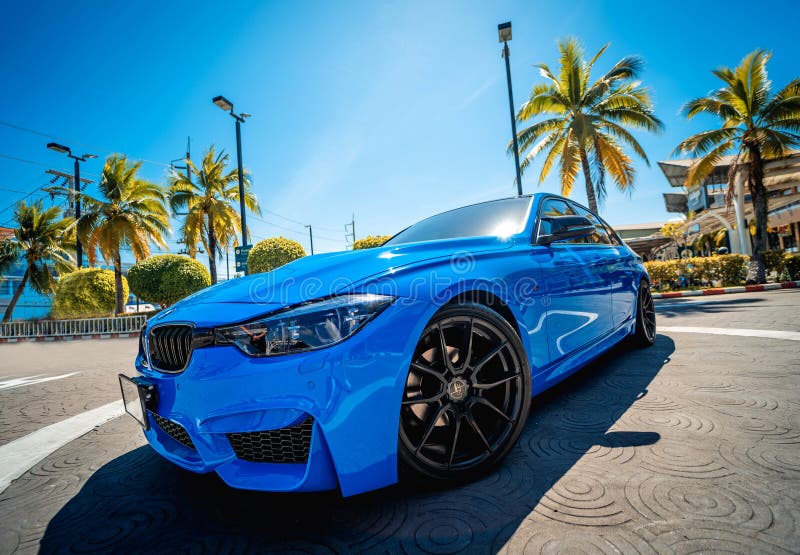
x=692, y=445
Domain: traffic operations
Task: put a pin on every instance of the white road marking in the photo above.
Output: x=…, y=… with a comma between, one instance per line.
x=21, y=454
x=741, y=332
x=30, y=380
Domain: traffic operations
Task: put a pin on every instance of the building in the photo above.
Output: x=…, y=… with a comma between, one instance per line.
x=712, y=213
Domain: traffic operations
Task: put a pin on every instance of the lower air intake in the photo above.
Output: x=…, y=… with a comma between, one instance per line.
x=174, y=430
x=284, y=445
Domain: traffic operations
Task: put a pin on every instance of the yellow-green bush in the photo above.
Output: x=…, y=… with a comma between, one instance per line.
x=273, y=253
x=167, y=278
x=371, y=241
x=86, y=293
x=729, y=269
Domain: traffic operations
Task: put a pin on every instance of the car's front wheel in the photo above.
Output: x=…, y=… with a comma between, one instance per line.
x=466, y=397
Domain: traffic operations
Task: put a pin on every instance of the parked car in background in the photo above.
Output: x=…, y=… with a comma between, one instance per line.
x=337, y=369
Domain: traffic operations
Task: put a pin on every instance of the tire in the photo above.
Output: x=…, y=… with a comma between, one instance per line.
x=461, y=415
x=645, y=333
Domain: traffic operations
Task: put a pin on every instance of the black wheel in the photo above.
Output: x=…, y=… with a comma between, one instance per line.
x=467, y=395
x=645, y=333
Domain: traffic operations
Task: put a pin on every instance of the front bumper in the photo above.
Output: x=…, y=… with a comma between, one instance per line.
x=352, y=391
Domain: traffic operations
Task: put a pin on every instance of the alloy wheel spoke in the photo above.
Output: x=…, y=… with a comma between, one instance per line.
x=423, y=400
x=487, y=403
x=448, y=364
x=431, y=426
x=494, y=384
x=455, y=441
x=482, y=362
x=474, y=425
x=429, y=371
x=468, y=341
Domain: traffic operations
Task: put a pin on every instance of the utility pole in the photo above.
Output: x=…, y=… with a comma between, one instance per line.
x=311, y=239
x=77, y=188
x=187, y=167
x=351, y=233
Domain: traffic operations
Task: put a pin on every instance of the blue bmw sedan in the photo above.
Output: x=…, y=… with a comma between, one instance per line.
x=421, y=356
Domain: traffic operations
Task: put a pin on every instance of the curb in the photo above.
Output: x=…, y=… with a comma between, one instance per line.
x=68, y=337
x=725, y=290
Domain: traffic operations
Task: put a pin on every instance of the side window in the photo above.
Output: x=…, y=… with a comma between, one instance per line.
x=553, y=207
x=600, y=236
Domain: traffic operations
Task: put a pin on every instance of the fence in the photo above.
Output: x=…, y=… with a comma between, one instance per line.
x=83, y=326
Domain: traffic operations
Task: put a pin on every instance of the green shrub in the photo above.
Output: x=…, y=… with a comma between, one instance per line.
x=273, y=253
x=167, y=278
x=86, y=293
x=793, y=267
x=729, y=269
x=774, y=261
x=370, y=241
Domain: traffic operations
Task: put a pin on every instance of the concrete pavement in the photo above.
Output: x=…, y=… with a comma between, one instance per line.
x=692, y=445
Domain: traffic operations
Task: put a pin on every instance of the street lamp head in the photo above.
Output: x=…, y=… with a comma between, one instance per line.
x=504, y=31
x=89, y=156
x=245, y=115
x=59, y=148
x=223, y=103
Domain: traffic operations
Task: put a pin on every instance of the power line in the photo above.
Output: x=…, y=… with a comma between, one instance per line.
x=56, y=137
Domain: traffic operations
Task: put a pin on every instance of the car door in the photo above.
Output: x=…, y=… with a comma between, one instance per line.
x=576, y=282
x=624, y=279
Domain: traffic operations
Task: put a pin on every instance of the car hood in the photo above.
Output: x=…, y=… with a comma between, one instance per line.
x=314, y=277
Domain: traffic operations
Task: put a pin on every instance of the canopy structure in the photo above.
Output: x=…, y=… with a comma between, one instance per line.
x=781, y=178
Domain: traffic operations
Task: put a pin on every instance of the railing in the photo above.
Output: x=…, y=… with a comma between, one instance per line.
x=83, y=326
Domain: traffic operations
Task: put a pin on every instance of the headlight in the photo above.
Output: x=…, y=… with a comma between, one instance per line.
x=304, y=328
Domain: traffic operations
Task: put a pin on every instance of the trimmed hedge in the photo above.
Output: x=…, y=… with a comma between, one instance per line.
x=86, y=293
x=273, y=253
x=728, y=269
x=370, y=242
x=167, y=278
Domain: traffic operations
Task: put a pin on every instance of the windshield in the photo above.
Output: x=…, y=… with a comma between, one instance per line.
x=497, y=218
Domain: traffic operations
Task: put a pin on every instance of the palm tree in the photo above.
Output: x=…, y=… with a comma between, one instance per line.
x=212, y=202
x=128, y=213
x=587, y=127
x=756, y=126
x=43, y=239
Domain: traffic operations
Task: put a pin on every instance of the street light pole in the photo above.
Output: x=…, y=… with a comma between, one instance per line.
x=241, y=177
x=76, y=186
x=226, y=105
x=504, y=34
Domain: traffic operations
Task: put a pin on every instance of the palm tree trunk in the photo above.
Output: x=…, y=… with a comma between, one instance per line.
x=17, y=295
x=212, y=252
x=120, y=302
x=757, y=271
x=587, y=175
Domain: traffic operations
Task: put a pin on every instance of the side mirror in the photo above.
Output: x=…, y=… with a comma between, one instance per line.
x=566, y=227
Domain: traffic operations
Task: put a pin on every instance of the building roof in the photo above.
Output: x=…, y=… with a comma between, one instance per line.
x=786, y=168
x=638, y=227
x=6, y=233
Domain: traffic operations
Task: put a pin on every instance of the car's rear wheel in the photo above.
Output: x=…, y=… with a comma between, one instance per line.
x=645, y=333
x=466, y=397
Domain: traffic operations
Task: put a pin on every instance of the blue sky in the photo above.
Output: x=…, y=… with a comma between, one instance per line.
x=389, y=110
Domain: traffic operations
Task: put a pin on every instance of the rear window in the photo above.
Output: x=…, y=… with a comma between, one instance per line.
x=497, y=218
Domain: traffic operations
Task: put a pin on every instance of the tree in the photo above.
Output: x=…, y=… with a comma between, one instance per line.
x=589, y=121
x=673, y=231
x=370, y=241
x=212, y=203
x=129, y=213
x=273, y=253
x=43, y=240
x=167, y=278
x=86, y=293
x=756, y=126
